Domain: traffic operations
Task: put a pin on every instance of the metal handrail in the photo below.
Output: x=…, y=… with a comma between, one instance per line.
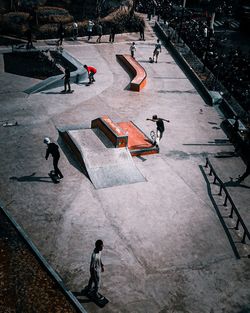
x=228, y=198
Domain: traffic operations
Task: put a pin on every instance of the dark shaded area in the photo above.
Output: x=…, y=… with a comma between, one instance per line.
x=62, y=61
x=32, y=178
x=30, y=64
x=26, y=286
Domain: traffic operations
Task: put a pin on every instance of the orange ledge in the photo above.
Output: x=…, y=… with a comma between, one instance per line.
x=140, y=76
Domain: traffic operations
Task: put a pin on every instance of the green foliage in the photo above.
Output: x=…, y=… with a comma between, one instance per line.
x=31, y=3
x=15, y=23
x=46, y=15
x=122, y=21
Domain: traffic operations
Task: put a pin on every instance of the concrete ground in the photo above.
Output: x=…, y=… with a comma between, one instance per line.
x=165, y=249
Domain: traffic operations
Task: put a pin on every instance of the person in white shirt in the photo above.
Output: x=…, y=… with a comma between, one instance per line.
x=75, y=31
x=157, y=50
x=132, y=50
x=90, y=29
x=96, y=267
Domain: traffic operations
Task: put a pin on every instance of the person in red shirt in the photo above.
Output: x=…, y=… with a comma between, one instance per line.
x=91, y=72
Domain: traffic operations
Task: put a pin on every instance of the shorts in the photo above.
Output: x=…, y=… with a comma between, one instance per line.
x=156, y=52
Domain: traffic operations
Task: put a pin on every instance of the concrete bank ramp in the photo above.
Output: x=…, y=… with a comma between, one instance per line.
x=106, y=166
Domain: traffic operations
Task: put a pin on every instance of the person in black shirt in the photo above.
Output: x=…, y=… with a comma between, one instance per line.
x=60, y=34
x=53, y=149
x=29, y=39
x=159, y=126
x=66, y=80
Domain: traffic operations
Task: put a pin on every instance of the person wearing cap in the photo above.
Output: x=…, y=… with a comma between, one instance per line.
x=96, y=267
x=91, y=72
x=159, y=127
x=53, y=149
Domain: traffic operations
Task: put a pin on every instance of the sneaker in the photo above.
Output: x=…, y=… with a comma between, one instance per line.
x=99, y=297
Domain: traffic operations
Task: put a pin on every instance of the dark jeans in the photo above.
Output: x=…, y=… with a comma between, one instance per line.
x=57, y=171
x=89, y=35
x=67, y=83
x=94, y=280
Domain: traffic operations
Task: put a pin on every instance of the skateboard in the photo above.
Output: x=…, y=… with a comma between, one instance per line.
x=101, y=302
x=54, y=178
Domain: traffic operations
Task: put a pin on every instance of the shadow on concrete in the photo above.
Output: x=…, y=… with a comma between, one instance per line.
x=232, y=243
x=244, y=310
x=70, y=156
x=32, y=178
x=210, y=143
x=224, y=154
x=212, y=123
x=141, y=158
x=78, y=295
x=55, y=93
x=232, y=183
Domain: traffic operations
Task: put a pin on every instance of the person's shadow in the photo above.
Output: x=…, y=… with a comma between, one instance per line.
x=32, y=178
x=235, y=183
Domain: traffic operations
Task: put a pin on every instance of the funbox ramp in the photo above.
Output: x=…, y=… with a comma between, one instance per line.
x=106, y=167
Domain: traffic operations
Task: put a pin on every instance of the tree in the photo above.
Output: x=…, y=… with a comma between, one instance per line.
x=99, y=4
x=30, y=4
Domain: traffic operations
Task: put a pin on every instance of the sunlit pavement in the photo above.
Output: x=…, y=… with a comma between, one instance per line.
x=165, y=249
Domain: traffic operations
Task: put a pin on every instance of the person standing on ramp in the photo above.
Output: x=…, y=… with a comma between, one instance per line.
x=159, y=127
x=66, y=78
x=53, y=149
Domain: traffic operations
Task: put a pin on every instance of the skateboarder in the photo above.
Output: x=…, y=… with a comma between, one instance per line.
x=53, y=149
x=96, y=267
x=91, y=72
x=66, y=78
x=157, y=51
x=159, y=126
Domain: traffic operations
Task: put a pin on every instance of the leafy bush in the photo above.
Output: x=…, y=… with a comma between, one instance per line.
x=46, y=15
x=15, y=23
x=16, y=17
x=122, y=22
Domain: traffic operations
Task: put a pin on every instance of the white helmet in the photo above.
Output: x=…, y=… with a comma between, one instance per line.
x=46, y=140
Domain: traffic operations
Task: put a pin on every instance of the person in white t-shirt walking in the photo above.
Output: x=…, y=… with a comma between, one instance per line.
x=132, y=50
x=157, y=51
x=96, y=267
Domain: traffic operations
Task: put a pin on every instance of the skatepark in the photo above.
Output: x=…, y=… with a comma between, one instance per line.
x=165, y=246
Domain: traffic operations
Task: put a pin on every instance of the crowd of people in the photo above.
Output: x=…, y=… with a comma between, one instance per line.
x=230, y=66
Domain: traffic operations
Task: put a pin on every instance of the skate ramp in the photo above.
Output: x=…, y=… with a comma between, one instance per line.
x=106, y=166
